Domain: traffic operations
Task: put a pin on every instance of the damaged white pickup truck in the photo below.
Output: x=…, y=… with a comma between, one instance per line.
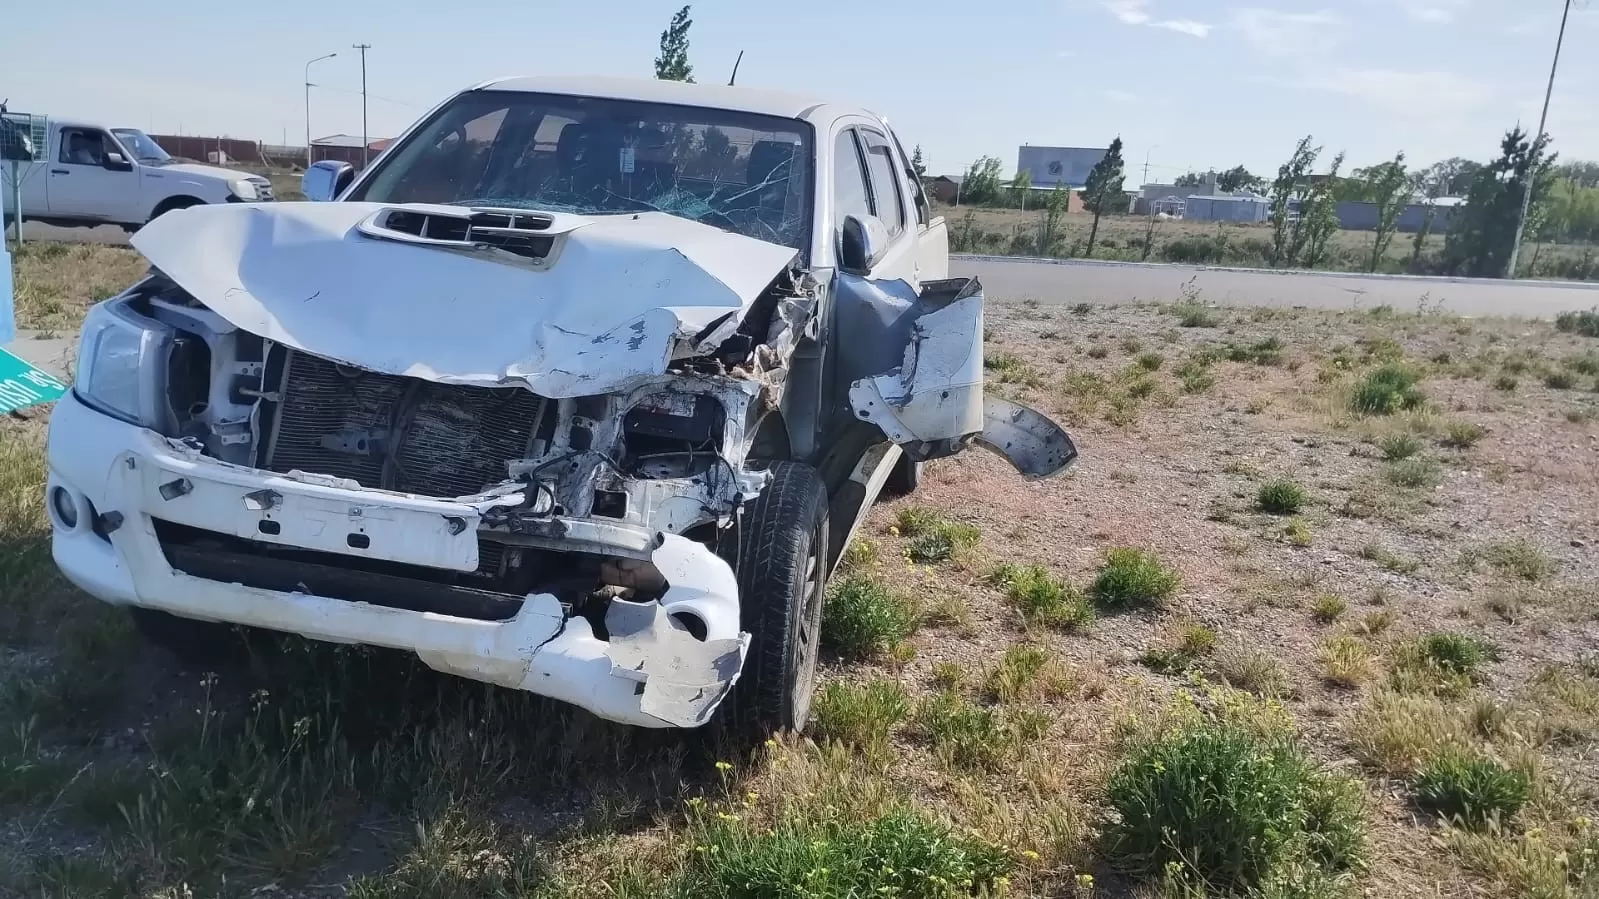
x=581, y=388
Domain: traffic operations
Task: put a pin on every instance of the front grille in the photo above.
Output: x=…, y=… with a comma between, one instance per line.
x=397, y=433
x=263, y=190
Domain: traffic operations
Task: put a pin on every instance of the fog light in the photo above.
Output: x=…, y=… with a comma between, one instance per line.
x=66, y=511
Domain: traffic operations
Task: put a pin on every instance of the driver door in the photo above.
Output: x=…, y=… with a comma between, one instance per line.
x=83, y=189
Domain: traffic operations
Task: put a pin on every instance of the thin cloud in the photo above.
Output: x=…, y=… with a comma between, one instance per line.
x=1136, y=13
x=1436, y=94
x=1280, y=33
x=1434, y=12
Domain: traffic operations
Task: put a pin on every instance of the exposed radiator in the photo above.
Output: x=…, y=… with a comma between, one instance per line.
x=397, y=433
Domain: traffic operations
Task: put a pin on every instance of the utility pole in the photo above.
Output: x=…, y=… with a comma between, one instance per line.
x=1531, y=181
x=308, y=106
x=366, y=142
x=1146, y=162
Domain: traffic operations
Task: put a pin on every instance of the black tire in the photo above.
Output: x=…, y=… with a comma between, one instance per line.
x=195, y=643
x=905, y=477
x=174, y=203
x=778, y=550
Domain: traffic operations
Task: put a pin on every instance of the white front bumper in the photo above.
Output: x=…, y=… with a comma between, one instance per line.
x=650, y=672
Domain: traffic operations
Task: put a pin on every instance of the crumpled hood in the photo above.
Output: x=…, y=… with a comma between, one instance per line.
x=619, y=294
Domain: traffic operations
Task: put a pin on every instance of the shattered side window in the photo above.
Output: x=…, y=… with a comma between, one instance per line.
x=737, y=171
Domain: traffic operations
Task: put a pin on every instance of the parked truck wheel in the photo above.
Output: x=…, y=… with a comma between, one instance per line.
x=194, y=643
x=175, y=203
x=778, y=549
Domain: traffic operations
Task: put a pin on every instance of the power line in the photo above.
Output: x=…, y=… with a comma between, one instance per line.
x=372, y=96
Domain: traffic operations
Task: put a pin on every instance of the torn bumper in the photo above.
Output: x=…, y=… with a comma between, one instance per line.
x=651, y=671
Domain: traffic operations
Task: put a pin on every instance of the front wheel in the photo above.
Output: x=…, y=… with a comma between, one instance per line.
x=778, y=550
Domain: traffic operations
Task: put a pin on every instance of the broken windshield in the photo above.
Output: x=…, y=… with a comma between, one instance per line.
x=737, y=171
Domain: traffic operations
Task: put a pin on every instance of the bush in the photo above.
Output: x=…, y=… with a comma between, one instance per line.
x=1560, y=380
x=1520, y=558
x=1388, y=389
x=1131, y=577
x=945, y=541
x=901, y=853
x=1229, y=807
x=1414, y=473
x=914, y=521
x=863, y=617
x=1507, y=383
x=1583, y=323
x=1471, y=788
x=1280, y=497
x=1345, y=661
x=1328, y=608
x=860, y=715
x=1399, y=446
x=1261, y=352
x=1150, y=361
x=1456, y=653
x=1193, y=315
x=1464, y=434
x=1042, y=598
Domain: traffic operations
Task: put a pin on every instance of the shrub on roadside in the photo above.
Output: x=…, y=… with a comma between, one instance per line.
x=903, y=852
x=1390, y=388
x=860, y=715
x=1131, y=577
x=1042, y=598
x=1231, y=808
x=863, y=616
x=1281, y=497
x=1471, y=788
x=1399, y=446
x=1585, y=323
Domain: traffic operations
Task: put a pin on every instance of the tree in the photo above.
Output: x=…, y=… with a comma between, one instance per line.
x=1446, y=178
x=918, y=164
x=1318, y=217
x=1287, y=195
x=672, y=64
x=981, y=184
x=1020, y=184
x=1189, y=179
x=1104, y=188
x=1238, y=178
x=1050, y=219
x=1387, y=185
x=1483, y=231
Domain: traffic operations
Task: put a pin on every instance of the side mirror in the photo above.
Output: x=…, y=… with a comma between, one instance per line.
x=326, y=179
x=861, y=243
x=116, y=162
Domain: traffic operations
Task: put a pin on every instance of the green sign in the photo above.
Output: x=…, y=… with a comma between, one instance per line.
x=22, y=385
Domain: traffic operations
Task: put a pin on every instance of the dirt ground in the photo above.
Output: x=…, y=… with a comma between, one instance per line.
x=299, y=770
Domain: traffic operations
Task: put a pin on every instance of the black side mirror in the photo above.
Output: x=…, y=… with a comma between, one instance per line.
x=116, y=162
x=325, y=180
x=862, y=240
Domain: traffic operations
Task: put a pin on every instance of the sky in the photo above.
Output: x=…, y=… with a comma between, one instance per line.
x=1187, y=84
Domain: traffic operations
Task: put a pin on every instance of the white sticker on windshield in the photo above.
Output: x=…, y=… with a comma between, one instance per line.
x=628, y=157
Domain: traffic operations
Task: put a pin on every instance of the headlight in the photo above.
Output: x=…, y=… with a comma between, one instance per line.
x=244, y=189
x=113, y=376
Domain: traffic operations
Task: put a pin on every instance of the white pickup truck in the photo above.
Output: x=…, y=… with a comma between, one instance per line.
x=581, y=388
x=82, y=174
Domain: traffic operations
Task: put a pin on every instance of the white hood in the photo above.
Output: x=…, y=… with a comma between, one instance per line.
x=610, y=309
x=198, y=171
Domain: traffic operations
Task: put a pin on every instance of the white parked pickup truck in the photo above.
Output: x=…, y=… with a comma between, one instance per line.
x=581, y=388
x=81, y=174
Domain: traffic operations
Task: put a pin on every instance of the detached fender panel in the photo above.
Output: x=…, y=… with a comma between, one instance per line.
x=933, y=405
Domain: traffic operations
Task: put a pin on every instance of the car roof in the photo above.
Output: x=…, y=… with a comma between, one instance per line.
x=650, y=90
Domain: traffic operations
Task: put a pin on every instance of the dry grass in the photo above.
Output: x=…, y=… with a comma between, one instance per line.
x=990, y=731
x=56, y=283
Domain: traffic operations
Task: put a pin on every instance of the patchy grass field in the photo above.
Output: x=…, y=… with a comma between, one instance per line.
x=1316, y=615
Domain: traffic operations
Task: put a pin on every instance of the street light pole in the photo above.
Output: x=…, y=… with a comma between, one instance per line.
x=366, y=142
x=308, y=106
x=1531, y=180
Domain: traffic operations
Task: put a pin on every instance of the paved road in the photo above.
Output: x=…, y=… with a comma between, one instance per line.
x=1077, y=281
x=1093, y=282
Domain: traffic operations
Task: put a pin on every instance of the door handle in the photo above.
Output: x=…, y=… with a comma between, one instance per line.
x=60, y=171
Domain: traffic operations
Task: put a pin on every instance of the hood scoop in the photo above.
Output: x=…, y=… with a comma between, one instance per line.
x=519, y=233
